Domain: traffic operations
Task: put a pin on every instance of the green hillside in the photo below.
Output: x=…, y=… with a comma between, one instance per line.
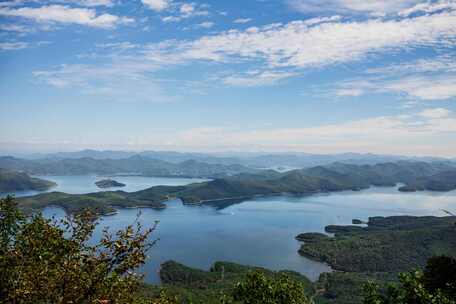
x=11, y=181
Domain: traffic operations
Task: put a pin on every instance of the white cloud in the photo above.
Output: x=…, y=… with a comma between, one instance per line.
x=375, y=7
x=350, y=92
x=15, y=28
x=420, y=86
x=435, y=113
x=96, y=2
x=257, y=78
x=425, y=88
x=187, y=10
x=122, y=80
x=205, y=24
x=68, y=15
x=431, y=131
x=429, y=7
x=87, y=3
x=157, y=5
x=440, y=64
x=242, y=20
x=117, y=45
x=298, y=45
x=9, y=46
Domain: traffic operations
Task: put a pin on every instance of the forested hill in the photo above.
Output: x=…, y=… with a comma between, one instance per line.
x=132, y=165
x=376, y=252
x=336, y=177
x=11, y=181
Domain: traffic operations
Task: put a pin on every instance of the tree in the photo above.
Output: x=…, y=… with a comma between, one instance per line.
x=440, y=274
x=436, y=285
x=49, y=261
x=257, y=288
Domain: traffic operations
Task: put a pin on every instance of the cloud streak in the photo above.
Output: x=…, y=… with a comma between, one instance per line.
x=66, y=15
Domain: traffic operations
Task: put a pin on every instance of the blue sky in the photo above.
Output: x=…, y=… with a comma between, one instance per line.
x=325, y=76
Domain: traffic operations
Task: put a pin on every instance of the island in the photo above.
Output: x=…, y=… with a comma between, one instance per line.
x=234, y=189
x=109, y=183
x=12, y=181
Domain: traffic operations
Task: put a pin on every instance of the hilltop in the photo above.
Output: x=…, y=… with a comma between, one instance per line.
x=11, y=181
x=377, y=252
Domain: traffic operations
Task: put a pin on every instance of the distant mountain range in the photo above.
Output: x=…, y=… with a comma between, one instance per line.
x=256, y=160
x=133, y=165
x=229, y=190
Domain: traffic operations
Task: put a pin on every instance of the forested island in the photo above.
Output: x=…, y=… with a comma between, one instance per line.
x=11, y=181
x=229, y=190
x=109, y=183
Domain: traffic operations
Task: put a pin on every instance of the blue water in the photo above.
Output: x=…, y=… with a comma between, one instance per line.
x=261, y=231
x=80, y=184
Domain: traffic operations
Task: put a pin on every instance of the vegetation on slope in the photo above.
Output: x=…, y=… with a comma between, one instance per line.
x=11, y=181
x=378, y=252
x=337, y=177
x=435, y=285
x=47, y=262
x=133, y=165
x=230, y=282
x=100, y=203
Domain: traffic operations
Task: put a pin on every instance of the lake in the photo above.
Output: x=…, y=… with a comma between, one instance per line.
x=261, y=231
x=80, y=184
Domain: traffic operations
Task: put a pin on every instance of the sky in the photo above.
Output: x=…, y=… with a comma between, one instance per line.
x=316, y=76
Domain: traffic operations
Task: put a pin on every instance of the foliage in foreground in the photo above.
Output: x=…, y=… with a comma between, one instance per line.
x=44, y=261
x=259, y=289
x=435, y=285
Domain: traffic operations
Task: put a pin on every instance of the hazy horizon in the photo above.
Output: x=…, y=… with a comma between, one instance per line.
x=228, y=153
x=322, y=77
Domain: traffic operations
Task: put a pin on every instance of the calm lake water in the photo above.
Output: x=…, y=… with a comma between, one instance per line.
x=80, y=184
x=261, y=231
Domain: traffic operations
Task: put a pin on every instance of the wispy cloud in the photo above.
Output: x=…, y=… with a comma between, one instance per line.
x=187, y=10
x=205, y=25
x=66, y=15
x=425, y=131
x=257, y=78
x=299, y=45
x=242, y=20
x=281, y=51
x=15, y=28
x=425, y=88
x=423, y=79
x=122, y=81
x=429, y=7
x=373, y=7
x=157, y=5
x=10, y=46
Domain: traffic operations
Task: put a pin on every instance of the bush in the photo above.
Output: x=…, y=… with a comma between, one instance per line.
x=45, y=261
x=436, y=285
x=259, y=289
